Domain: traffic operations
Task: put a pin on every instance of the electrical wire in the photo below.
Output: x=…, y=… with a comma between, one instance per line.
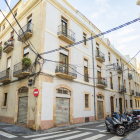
x=17, y=33
x=93, y=37
x=19, y=25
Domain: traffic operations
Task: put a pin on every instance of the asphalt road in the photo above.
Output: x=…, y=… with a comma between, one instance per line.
x=90, y=132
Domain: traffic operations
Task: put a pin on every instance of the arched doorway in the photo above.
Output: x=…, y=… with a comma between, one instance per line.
x=62, y=112
x=22, y=105
x=120, y=105
x=112, y=104
x=100, y=110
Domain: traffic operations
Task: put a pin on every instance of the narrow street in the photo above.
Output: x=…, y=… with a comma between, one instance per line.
x=90, y=132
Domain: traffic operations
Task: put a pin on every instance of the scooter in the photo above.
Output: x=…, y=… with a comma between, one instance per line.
x=114, y=124
x=126, y=122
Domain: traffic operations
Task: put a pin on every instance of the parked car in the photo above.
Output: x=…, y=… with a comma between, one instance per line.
x=136, y=113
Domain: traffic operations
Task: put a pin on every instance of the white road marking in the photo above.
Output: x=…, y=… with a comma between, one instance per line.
x=43, y=134
x=115, y=138
x=54, y=136
x=75, y=136
x=7, y=135
x=95, y=137
x=100, y=125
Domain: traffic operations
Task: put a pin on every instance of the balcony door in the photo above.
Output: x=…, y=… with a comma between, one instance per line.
x=86, y=70
x=29, y=28
x=97, y=50
x=64, y=63
x=64, y=26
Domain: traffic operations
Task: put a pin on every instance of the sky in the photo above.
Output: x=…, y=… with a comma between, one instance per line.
x=107, y=14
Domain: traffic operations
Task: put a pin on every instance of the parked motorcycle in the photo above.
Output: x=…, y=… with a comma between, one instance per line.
x=114, y=124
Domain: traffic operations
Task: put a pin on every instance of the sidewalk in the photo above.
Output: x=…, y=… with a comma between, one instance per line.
x=19, y=130
x=133, y=136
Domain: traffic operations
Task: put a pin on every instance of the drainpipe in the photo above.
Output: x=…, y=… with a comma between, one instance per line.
x=93, y=78
x=123, y=87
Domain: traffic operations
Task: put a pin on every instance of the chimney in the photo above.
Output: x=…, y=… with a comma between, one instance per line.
x=7, y=9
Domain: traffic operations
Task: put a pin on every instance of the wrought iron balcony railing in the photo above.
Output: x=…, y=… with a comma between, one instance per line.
x=137, y=94
x=19, y=71
x=129, y=76
x=8, y=45
x=66, y=32
x=5, y=76
x=100, y=55
x=67, y=70
x=102, y=81
x=132, y=92
x=119, y=69
x=86, y=77
x=28, y=30
x=121, y=88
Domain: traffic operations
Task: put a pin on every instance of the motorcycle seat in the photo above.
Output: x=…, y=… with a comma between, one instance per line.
x=109, y=119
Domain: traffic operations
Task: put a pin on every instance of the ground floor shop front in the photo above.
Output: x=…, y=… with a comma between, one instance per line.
x=59, y=103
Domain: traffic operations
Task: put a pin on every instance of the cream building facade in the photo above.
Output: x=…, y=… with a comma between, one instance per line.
x=66, y=88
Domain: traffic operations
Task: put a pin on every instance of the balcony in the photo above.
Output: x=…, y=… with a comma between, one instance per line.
x=20, y=72
x=100, y=56
x=66, y=71
x=5, y=76
x=137, y=94
x=119, y=69
x=28, y=32
x=121, y=89
x=131, y=92
x=111, y=86
x=66, y=34
x=8, y=46
x=86, y=77
x=101, y=82
x=129, y=76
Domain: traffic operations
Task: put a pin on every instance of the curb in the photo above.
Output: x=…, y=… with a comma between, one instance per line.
x=71, y=126
x=55, y=128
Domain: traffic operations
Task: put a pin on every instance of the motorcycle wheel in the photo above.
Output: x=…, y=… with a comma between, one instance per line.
x=107, y=128
x=127, y=128
x=120, y=131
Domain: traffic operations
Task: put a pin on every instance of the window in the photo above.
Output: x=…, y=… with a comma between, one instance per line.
x=111, y=82
x=116, y=103
x=64, y=60
x=124, y=86
x=64, y=26
x=3, y=26
x=5, y=99
x=109, y=57
x=129, y=87
x=126, y=103
x=131, y=103
x=136, y=103
x=15, y=13
x=26, y=52
x=86, y=70
x=84, y=38
x=98, y=71
x=12, y=34
x=86, y=100
x=29, y=27
x=9, y=63
x=117, y=62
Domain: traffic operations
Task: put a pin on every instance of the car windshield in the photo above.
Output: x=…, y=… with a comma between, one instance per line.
x=117, y=116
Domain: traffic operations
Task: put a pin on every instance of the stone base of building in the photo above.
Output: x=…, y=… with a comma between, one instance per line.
x=7, y=119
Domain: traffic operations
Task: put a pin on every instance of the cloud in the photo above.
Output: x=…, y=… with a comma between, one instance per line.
x=128, y=39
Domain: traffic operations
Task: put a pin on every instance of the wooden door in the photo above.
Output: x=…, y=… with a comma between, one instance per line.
x=112, y=104
x=120, y=105
x=100, y=109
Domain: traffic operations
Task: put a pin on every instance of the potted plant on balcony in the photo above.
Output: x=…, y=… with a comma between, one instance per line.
x=11, y=39
x=61, y=62
x=26, y=63
x=5, y=43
